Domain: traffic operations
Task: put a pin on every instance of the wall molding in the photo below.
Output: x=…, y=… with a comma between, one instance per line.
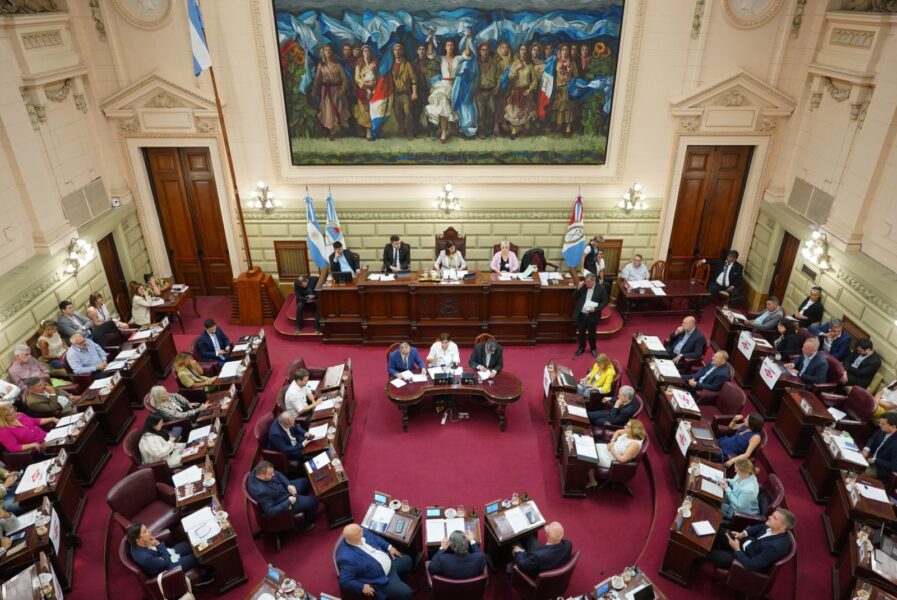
x=24, y=299
x=873, y=297
x=464, y=215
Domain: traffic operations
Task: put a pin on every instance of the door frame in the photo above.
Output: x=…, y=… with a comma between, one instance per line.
x=751, y=198
x=146, y=204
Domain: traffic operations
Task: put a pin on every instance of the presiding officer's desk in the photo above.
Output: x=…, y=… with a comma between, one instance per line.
x=380, y=312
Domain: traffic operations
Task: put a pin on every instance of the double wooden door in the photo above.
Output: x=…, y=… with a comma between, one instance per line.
x=710, y=193
x=187, y=202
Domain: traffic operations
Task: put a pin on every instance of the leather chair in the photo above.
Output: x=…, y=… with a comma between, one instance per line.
x=859, y=406
x=280, y=401
x=483, y=338
x=770, y=499
x=452, y=234
x=139, y=497
x=709, y=396
x=131, y=447
x=173, y=581
x=720, y=427
x=19, y=461
x=599, y=431
x=184, y=423
x=618, y=474
x=538, y=260
x=123, y=307
x=442, y=588
x=209, y=368
x=658, y=270
x=280, y=523
x=729, y=400
x=316, y=373
x=750, y=583
x=343, y=592
x=547, y=584
x=82, y=382
x=689, y=365
x=193, y=394
x=832, y=375
x=496, y=248
x=595, y=399
x=281, y=462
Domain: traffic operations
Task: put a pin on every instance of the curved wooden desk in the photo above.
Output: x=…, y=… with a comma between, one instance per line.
x=505, y=389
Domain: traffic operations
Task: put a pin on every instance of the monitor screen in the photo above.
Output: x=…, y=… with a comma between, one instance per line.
x=381, y=498
x=491, y=508
x=434, y=512
x=273, y=574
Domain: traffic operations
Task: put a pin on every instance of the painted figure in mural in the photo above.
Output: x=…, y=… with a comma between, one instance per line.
x=562, y=105
x=365, y=83
x=487, y=91
x=425, y=68
x=404, y=91
x=520, y=110
x=439, y=104
x=330, y=86
x=504, y=57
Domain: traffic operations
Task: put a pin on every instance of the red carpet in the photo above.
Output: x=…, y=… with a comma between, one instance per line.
x=470, y=463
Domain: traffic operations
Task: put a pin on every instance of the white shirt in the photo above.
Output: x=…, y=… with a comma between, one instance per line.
x=296, y=397
x=748, y=542
x=631, y=272
x=723, y=278
x=379, y=555
x=444, y=358
x=859, y=360
x=590, y=294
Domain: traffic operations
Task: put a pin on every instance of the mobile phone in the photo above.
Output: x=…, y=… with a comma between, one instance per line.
x=400, y=526
x=176, y=432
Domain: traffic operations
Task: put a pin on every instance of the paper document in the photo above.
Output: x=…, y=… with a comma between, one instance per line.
x=68, y=420
x=398, y=382
x=710, y=472
x=101, y=383
x=201, y=526
x=585, y=446
x=456, y=524
x=484, y=375
x=434, y=370
x=229, y=369
x=577, y=411
x=639, y=283
x=703, y=528
x=517, y=520
x=873, y=493
x=141, y=335
x=667, y=368
x=658, y=283
x=180, y=288
x=324, y=405
x=711, y=488
x=58, y=433
x=685, y=400
x=240, y=348
x=318, y=432
x=313, y=385
x=653, y=343
x=435, y=530
x=157, y=302
x=188, y=475
x=589, y=305
x=381, y=518
x=199, y=433
x=321, y=460
x=419, y=377
x=116, y=365
x=35, y=475
x=837, y=414
x=658, y=291
x=854, y=457
x=127, y=354
x=23, y=521
x=406, y=375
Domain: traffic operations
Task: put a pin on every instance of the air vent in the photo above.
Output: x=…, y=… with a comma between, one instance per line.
x=800, y=195
x=85, y=204
x=810, y=201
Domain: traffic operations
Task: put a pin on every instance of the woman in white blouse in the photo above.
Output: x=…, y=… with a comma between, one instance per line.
x=623, y=447
x=140, y=304
x=450, y=258
x=156, y=444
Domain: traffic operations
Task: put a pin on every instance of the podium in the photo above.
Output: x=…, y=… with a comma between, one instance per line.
x=849, y=507
x=639, y=355
x=766, y=399
x=684, y=546
x=801, y=412
x=749, y=351
x=853, y=570
x=256, y=298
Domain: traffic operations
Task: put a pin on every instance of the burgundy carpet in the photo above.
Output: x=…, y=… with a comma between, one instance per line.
x=469, y=462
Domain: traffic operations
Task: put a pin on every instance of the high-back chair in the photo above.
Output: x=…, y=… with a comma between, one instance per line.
x=274, y=525
x=547, y=584
x=173, y=581
x=443, y=588
x=451, y=234
x=496, y=248
x=700, y=272
x=619, y=474
x=728, y=401
x=131, y=447
x=343, y=592
x=139, y=497
x=754, y=584
x=658, y=270
x=770, y=498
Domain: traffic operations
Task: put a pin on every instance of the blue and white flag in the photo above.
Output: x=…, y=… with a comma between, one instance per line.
x=574, y=240
x=332, y=229
x=201, y=58
x=316, y=245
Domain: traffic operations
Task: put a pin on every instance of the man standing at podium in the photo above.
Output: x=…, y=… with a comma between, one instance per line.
x=589, y=300
x=396, y=255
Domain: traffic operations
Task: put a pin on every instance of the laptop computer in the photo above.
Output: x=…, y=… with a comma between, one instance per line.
x=645, y=592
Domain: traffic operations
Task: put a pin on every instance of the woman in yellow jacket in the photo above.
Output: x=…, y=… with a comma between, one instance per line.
x=600, y=378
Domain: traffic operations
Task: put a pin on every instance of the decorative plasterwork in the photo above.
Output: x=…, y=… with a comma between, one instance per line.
x=465, y=215
x=42, y=39
x=871, y=296
x=58, y=94
x=156, y=106
x=27, y=7
x=37, y=114
x=97, y=18
x=696, y=19
x=30, y=295
x=852, y=38
x=144, y=14
x=858, y=94
x=798, y=19
x=748, y=14
x=80, y=102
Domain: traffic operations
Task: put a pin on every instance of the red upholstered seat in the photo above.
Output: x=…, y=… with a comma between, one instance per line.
x=279, y=523
x=443, y=588
x=547, y=584
x=728, y=401
x=599, y=431
x=770, y=498
x=709, y=396
x=173, y=580
x=315, y=373
x=281, y=462
x=131, y=447
x=139, y=497
x=343, y=592
x=859, y=405
x=750, y=583
x=619, y=474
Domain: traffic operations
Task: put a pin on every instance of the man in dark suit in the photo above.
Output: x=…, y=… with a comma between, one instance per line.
x=624, y=408
x=727, y=277
x=589, y=300
x=212, y=345
x=713, y=376
x=276, y=494
x=342, y=260
x=809, y=365
x=396, y=255
x=368, y=565
x=406, y=358
x=487, y=357
x=810, y=310
x=861, y=365
x=687, y=341
x=758, y=547
x=834, y=339
x=881, y=449
x=459, y=557
x=304, y=289
x=154, y=557
x=537, y=557
x=287, y=436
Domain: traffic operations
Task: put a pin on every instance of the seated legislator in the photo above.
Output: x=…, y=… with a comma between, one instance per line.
x=623, y=409
x=600, y=378
x=71, y=322
x=881, y=449
x=809, y=365
x=20, y=432
x=153, y=287
x=99, y=314
x=459, y=557
x=405, y=358
x=487, y=356
x=173, y=406
x=342, y=260
x=758, y=547
x=25, y=366
x=505, y=259
x=635, y=270
x=810, y=310
x=85, y=357
x=304, y=290
x=833, y=338
x=687, y=341
x=861, y=365
x=370, y=566
x=727, y=277
x=158, y=444
x=141, y=302
x=8, y=484
x=745, y=439
x=51, y=347
x=885, y=399
x=154, y=557
x=276, y=494
x=190, y=374
x=740, y=492
x=450, y=258
x=787, y=345
x=212, y=344
x=532, y=558
x=396, y=255
x=287, y=436
x=44, y=400
x=299, y=398
x=624, y=446
x=769, y=318
x=713, y=376
x=444, y=352
x=589, y=299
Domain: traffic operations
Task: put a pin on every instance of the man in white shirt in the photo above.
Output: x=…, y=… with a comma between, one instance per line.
x=444, y=352
x=300, y=395
x=635, y=271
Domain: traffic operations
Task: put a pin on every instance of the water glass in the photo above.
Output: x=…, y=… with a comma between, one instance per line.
x=405, y=506
x=515, y=497
x=461, y=511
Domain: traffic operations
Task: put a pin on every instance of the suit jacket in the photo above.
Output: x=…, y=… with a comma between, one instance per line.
x=862, y=375
x=762, y=553
x=302, y=292
x=357, y=568
x=811, y=315
x=206, y=349
x=152, y=562
x=46, y=406
x=599, y=296
x=767, y=321
x=458, y=566
x=788, y=345
x=543, y=558
x=334, y=263
x=886, y=460
x=714, y=381
x=840, y=345
x=67, y=328
x=396, y=365
x=816, y=371
x=273, y=496
x=734, y=273
x=694, y=346
x=479, y=358
x=280, y=441
x=404, y=257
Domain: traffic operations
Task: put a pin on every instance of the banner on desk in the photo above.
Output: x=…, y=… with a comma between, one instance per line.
x=746, y=344
x=770, y=372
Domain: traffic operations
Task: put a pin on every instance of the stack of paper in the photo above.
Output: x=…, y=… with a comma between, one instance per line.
x=577, y=411
x=321, y=460
x=703, y=528
x=667, y=368
x=658, y=291
x=324, y=405
x=658, y=283
x=240, y=348
x=639, y=283
x=418, y=377
x=116, y=365
x=710, y=472
x=201, y=526
x=319, y=432
x=99, y=384
x=229, y=369
x=653, y=343
x=189, y=475
x=127, y=354
x=517, y=520
x=141, y=335
x=711, y=488
x=685, y=400
x=398, y=382
x=441, y=528
x=58, y=433
x=585, y=446
x=381, y=518
x=484, y=375
x=199, y=433
x=873, y=493
x=35, y=475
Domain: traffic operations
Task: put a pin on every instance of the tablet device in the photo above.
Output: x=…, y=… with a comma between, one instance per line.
x=273, y=574
x=602, y=590
x=381, y=498
x=493, y=507
x=434, y=512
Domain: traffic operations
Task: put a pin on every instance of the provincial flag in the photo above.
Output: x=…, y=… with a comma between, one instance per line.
x=201, y=58
x=546, y=90
x=332, y=230
x=574, y=240
x=316, y=245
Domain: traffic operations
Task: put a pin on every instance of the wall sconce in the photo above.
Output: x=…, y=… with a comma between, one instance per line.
x=263, y=199
x=632, y=199
x=815, y=249
x=447, y=201
x=79, y=254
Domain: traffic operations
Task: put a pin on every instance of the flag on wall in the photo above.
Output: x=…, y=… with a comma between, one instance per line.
x=574, y=240
x=332, y=229
x=546, y=90
x=316, y=245
x=380, y=105
x=201, y=58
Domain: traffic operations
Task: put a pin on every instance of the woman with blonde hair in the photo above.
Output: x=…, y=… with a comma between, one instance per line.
x=20, y=432
x=189, y=373
x=623, y=447
x=51, y=347
x=600, y=378
x=505, y=259
x=741, y=491
x=173, y=406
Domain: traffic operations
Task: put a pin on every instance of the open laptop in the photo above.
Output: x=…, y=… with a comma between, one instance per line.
x=645, y=592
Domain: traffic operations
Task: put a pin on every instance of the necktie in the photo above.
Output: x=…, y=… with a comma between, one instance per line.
x=701, y=380
x=806, y=363
x=395, y=256
x=405, y=360
x=488, y=359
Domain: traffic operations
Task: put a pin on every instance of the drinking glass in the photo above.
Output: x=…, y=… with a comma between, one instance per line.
x=515, y=497
x=461, y=511
x=405, y=506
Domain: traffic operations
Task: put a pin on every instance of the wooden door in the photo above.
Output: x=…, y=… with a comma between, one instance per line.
x=118, y=287
x=710, y=195
x=187, y=202
x=784, y=265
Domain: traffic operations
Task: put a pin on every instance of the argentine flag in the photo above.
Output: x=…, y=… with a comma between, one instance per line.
x=201, y=58
x=316, y=246
x=332, y=229
x=574, y=240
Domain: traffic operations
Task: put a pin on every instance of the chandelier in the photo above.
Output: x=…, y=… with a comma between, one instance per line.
x=263, y=199
x=446, y=201
x=79, y=254
x=815, y=249
x=632, y=199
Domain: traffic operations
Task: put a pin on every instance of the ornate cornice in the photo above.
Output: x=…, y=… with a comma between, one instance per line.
x=464, y=215
x=27, y=297
x=871, y=296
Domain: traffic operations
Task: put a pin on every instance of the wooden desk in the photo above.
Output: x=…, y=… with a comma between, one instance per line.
x=215, y=451
x=669, y=413
x=51, y=543
x=707, y=449
x=693, y=485
x=684, y=546
x=337, y=417
x=556, y=378
x=822, y=468
x=191, y=497
x=563, y=417
x=748, y=352
x=246, y=390
x=651, y=390
x=62, y=490
x=499, y=392
x=332, y=490
x=161, y=348
x=222, y=555
x=86, y=449
x=846, y=508
x=574, y=468
x=137, y=377
x=768, y=400
x=471, y=523
x=258, y=356
x=27, y=585
x=227, y=410
x=410, y=541
x=850, y=572
x=679, y=297
x=499, y=536
x=113, y=411
x=801, y=412
x=268, y=588
x=173, y=303
x=635, y=583
x=639, y=355
x=725, y=329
